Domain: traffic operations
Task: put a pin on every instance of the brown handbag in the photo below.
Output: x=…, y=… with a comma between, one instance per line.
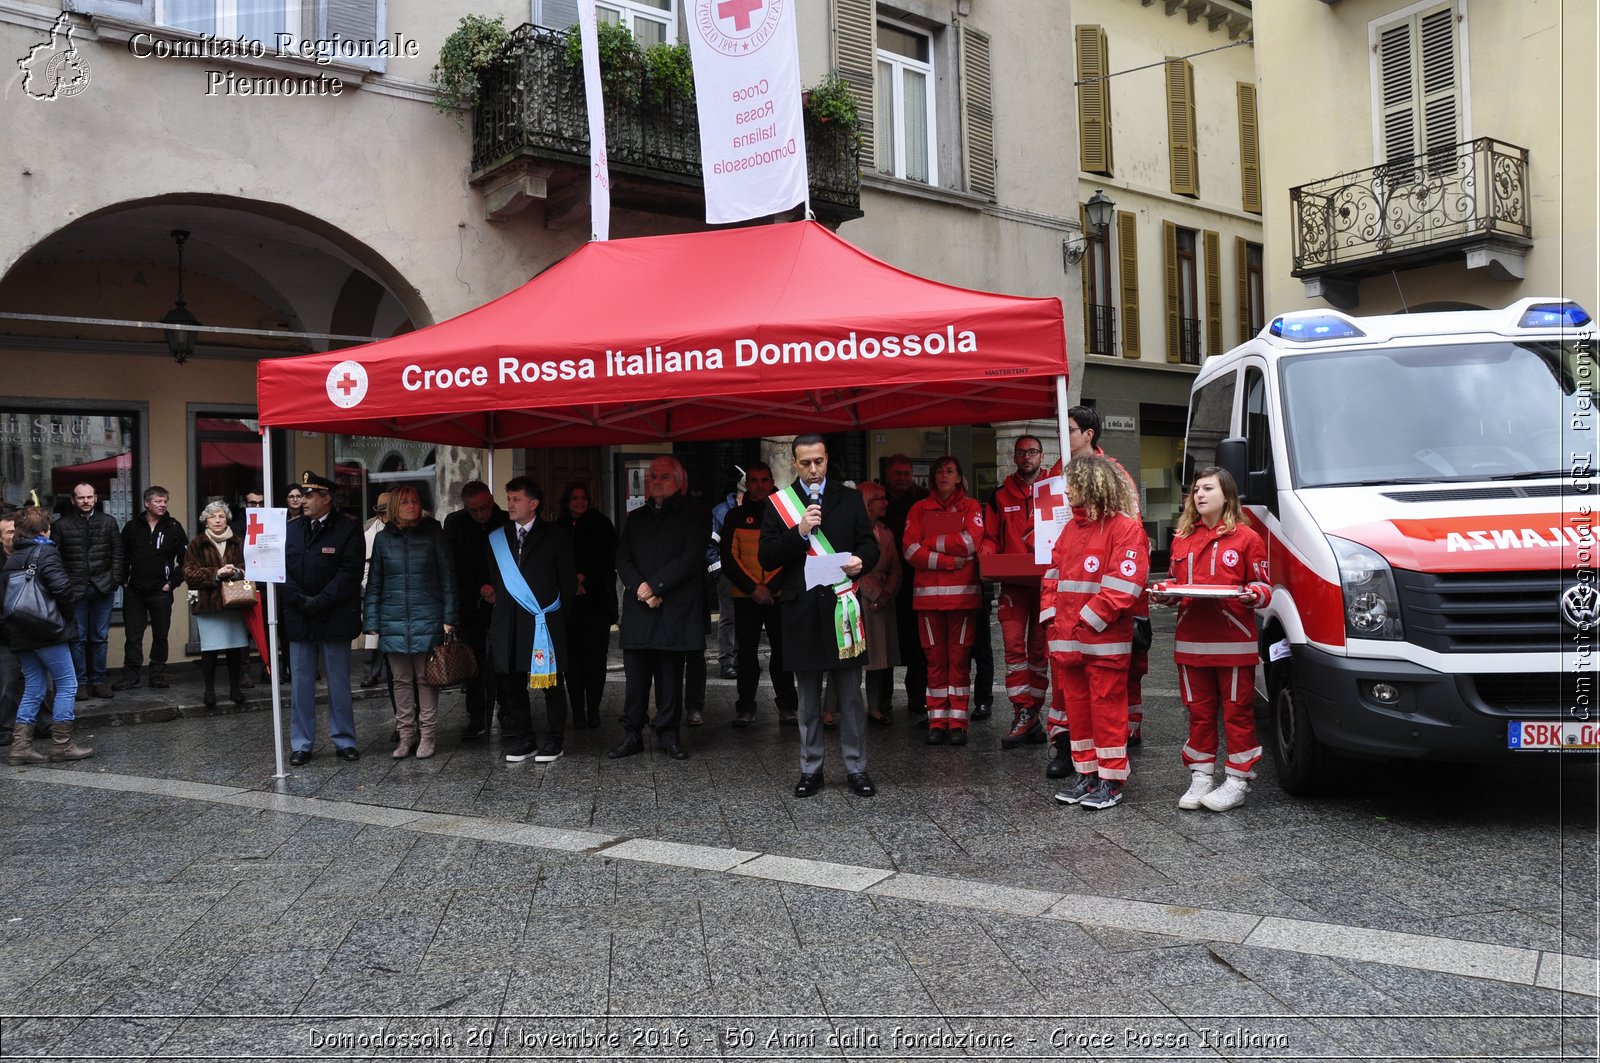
x=238, y=594
x=449, y=663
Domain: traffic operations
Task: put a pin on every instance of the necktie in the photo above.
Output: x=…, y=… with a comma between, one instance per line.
x=522, y=537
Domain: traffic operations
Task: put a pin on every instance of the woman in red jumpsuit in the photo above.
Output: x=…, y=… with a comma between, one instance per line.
x=1095, y=580
x=941, y=542
x=1216, y=641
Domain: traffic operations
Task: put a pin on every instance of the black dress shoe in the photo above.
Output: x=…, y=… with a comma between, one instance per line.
x=299, y=757
x=127, y=682
x=473, y=732
x=743, y=719
x=730, y=671
x=158, y=681
x=936, y=736
x=349, y=753
x=669, y=746
x=982, y=710
x=861, y=784
x=631, y=745
x=958, y=736
x=810, y=782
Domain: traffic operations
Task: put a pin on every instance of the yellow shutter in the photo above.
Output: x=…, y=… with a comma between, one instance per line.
x=855, y=29
x=1213, y=246
x=1180, y=128
x=1241, y=255
x=977, y=112
x=1169, y=254
x=1249, y=149
x=1094, y=100
x=1128, y=269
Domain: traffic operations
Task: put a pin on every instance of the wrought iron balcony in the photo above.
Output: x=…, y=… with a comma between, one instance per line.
x=530, y=139
x=1101, y=329
x=1467, y=201
x=1189, y=341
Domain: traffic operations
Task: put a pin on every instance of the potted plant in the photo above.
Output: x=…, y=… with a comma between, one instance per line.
x=475, y=46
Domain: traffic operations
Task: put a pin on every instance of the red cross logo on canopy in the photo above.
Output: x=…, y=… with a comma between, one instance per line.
x=347, y=384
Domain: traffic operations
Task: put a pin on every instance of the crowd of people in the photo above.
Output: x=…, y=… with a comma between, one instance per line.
x=536, y=599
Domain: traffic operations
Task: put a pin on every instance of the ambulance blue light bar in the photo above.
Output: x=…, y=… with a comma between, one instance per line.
x=1313, y=327
x=1554, y=315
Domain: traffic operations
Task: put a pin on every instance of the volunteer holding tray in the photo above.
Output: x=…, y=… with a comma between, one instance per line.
x=1218, y=577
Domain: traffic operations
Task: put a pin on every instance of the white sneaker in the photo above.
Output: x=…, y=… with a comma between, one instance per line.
x=1229, y=795
x=1200, y=784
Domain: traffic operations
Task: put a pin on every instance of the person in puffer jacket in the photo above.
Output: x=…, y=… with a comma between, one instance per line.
x=1216, y=643
x=1095, y=580
x=941, y=543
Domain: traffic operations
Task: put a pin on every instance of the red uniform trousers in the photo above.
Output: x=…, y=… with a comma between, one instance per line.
x=1233, y=689
x=1097, y=718
x=1027, y=663
x=1138, y=666
x=946, y=637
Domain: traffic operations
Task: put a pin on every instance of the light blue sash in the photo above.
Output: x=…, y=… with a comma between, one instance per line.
x=542, y=668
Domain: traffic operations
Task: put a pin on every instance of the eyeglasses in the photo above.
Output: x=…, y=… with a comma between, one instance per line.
x=1031, y=452
x=253, y=501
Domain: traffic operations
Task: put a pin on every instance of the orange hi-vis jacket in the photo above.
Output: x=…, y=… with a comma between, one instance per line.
x=1008, y=519
x=1212, y=632
x=937, y=537
x=1096, y=578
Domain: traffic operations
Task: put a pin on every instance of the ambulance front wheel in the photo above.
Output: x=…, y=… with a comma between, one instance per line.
x=1302, y=760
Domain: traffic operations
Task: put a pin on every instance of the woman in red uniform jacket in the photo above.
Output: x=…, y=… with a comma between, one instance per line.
x=1216, y=643
x=1094, y=582
x=941, y=542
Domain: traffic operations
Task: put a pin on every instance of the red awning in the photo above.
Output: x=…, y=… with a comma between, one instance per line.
x=735, y=333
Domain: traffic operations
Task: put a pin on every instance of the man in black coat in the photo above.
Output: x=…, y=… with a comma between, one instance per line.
x=543, y=553
x=154, y=544
x=660, y=560
x=903, y=493
x=810, y=645
x=91, y=553
x=467, y=532
x=323, y=554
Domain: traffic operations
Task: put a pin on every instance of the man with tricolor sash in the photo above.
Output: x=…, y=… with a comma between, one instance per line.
x=822, y=625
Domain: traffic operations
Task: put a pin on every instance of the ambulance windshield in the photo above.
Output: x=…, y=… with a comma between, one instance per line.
x=1455, y=413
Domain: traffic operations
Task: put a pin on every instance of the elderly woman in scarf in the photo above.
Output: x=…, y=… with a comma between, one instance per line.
x=215, y=557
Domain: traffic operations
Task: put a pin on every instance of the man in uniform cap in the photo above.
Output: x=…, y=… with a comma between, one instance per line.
x=324, y=554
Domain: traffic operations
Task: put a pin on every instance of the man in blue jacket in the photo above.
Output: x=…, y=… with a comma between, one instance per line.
x=324, y=554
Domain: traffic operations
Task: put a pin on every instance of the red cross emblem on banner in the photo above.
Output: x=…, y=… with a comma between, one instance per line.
x=347, y=383
x=253, y=529
x=740, y=11
x=1047, y=500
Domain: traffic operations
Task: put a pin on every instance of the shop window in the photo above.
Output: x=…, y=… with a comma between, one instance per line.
x=227, y=462
x=43, y=452
x=366, y=466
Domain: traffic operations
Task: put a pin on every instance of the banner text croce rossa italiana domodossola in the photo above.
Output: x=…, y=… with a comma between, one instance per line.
x=655, y=360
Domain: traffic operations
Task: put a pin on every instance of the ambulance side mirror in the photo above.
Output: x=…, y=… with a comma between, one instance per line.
x=1231, y=456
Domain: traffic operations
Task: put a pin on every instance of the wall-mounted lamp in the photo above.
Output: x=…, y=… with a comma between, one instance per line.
x=1098, y=211
x=180, y=341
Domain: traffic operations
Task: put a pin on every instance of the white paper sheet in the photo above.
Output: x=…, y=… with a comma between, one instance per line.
x=824, y=570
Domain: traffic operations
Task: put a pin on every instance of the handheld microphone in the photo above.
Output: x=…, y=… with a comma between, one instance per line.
x=816, y=494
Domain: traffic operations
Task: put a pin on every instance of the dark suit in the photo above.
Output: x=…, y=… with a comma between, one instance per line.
x=810, y=647
x=546, y=563
x=665, y=547
x=469, y=549
x=321, y=615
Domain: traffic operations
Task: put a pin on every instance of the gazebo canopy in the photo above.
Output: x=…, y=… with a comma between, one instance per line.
x=759, y=331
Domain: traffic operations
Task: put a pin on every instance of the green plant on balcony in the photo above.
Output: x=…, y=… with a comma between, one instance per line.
x=477, y=44
x=831, y=100
x=627, y=69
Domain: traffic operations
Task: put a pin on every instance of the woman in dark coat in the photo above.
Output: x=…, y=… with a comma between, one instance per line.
x=411, y=606
x=42, y=658
x=215, y=557
x=594, y=610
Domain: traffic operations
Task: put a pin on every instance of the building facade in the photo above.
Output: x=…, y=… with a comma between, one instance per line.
x=323, y=201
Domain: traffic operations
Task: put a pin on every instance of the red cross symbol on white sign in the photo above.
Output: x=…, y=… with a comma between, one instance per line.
x=1047, y=500
x=253, y=529
x=738, y=10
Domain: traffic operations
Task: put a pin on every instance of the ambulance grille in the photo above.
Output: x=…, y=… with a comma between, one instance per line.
x=1482, y=612
x=1522, y=695
x=1469, y=494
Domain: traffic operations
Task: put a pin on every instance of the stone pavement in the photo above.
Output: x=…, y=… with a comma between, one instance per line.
x=170, y=899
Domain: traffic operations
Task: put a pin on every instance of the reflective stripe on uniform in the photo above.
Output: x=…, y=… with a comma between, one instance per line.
x=1047, y=615
x=1092, y=618
x=1108, y=649
x=1115, y=584
x=1220, y=649
x=1078, y=586
x=931, y=592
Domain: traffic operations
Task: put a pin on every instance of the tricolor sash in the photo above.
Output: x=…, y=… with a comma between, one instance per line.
x=847, y=627
x=542, y=668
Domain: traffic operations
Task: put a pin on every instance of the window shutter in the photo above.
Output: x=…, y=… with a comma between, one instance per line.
x=1397, y=94
x=1241, y=255
x=1441, y=128
x=1249, y=149
x=555, y=14
x=1213, y=248
x=1169, y=254
x=354, y=20
x=977, y=112
x=132, y=10
x=1094, y=100
x=1128, y=268
x=1180, y=128
x=855, y=30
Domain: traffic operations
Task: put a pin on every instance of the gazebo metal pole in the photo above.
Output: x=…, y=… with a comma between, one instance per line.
x=1062, y=406
x=272, y=617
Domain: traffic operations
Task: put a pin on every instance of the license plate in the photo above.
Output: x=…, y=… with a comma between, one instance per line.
x=1553, y=734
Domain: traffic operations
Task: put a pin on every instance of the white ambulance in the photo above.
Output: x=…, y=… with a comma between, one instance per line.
x=1426, y=486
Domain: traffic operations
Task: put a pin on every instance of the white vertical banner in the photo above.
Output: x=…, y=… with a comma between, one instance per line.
x=599, y=168
x=747, y=86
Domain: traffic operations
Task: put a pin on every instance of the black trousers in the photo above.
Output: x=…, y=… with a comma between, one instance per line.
x=516, y=714
x=750, y=618
x=588, y=643
x=983, y=650
x=480, y=689
x=663, y=669
x=911, y=654
x=141, y=609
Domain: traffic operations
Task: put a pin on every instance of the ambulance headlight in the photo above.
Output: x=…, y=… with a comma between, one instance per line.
x=1371, y=604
